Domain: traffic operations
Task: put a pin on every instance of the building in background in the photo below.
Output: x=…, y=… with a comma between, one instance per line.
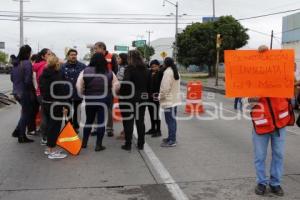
x=162, y=45
x=291, y=34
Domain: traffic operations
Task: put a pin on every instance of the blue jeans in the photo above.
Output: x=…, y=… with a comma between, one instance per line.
x=261, y=143
x=170, y=116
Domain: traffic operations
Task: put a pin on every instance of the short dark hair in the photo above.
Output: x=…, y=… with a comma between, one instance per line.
x=72, y=51
x=34, y=58
x=154, y=62
x=101, y=45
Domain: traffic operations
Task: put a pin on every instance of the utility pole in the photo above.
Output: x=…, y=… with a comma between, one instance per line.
x=214, y=10
x=21, y=20
x=149, y=36
x=21, y=24
x=176, y=26
x=176, y=35
x=218, y=46
x=272, y=37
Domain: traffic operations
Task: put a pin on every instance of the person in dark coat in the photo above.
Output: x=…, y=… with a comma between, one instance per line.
x=23, y=91
x=154, y=80
x=71, y=70
x=133, y=99
x=96, y=84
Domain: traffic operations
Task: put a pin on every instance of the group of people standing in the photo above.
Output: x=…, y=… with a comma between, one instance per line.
x=43, y=84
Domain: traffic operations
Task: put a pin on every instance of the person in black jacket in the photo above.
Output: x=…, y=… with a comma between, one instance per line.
x=133, y=97
x=154, y=81
x=52, y=93
x=71, y=70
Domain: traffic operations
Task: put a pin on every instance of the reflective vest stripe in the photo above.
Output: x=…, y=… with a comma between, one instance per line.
x=283, y=115
x=193, y=101
x=260, y=122
x=69, y=139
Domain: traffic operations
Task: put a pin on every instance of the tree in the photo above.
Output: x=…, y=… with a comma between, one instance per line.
x=197, y=43
x=146, y=51
x=3, y=57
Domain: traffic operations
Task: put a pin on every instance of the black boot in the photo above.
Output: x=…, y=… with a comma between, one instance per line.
x=84, y=142
x=15, y=133
x=140, y=146
x=126, y=147
x=156, y=134
x=24, y=139
x=150, y=132
x=99, y=146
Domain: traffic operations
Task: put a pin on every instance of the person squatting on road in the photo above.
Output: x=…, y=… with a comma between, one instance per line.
x=112, y=65
x=71, y=70
x=133, y=97
x=24, y=92
x=154, y=81
x=169, y=98
x=270, y=117
x=52, y=92
x=96, y=83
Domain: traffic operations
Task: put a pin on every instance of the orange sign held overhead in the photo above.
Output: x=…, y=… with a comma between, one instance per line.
x=250, y=73
x=69, y=140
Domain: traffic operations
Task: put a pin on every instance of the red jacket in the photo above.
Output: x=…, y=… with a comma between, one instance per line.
x=271, y=114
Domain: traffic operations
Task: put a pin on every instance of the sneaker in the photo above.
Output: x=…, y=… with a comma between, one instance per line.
x=57, y=155
x=47, y=152
x=260, y=189
x=43, y=142
x=168, y=144
x=277, y=190
x=31, y=133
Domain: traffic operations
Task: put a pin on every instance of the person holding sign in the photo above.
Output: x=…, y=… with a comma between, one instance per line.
x=270, y=116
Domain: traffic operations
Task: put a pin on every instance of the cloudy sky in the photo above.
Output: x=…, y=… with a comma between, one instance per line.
x=57, y=36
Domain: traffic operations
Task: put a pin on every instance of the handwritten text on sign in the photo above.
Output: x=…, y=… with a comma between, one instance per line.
x=259, y=74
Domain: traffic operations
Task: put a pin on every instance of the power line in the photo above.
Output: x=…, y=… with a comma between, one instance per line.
x=267, y=15
x=95, y=14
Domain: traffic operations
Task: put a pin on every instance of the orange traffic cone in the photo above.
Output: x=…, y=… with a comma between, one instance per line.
x=194, y=103
x=69, y=140
x=116, y=111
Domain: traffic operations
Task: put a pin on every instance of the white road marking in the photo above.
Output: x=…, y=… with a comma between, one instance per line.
x=166, y=177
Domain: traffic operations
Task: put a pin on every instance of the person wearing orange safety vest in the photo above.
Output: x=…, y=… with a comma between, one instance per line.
x=270, y=116
x=112, y=65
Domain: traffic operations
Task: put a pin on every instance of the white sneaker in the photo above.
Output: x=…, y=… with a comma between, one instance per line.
x=47, y=152
x=43, y=142
x=57, y=155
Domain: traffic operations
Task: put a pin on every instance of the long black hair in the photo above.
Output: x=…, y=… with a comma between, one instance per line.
x=135, y=59
x=169, y=62
x=99, y=62
x=24, y=53
x=42, y=54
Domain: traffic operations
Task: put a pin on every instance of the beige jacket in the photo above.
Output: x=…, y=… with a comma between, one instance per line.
x=169, y=90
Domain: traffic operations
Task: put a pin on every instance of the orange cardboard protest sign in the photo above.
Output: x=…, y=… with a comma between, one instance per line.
x=250, y=73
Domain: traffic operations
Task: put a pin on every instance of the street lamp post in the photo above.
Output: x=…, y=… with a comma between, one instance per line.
x=176, y=26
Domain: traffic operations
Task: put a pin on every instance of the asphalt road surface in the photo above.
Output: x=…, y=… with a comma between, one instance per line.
x=213, y=160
